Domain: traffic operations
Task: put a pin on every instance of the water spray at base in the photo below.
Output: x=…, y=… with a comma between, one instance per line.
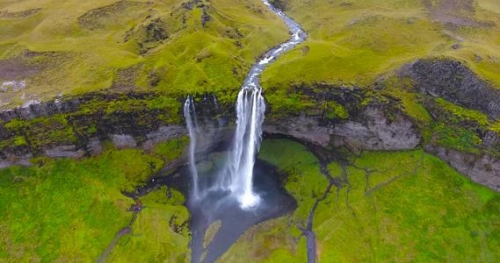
x=237, y=176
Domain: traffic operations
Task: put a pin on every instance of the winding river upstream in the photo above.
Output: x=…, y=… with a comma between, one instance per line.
x=230, y=198
x=237, y=176
x=250, y=109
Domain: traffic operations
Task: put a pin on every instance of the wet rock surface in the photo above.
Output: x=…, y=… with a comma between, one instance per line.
x=373, y=132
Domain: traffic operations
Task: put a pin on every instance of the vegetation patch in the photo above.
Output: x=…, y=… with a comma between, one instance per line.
x=112, y=15
x=160, y=232
x=334, y=111
x=357, y=42
x=393, y=206
x=304, y=179
x=211, y=232
x=463, y=113
x=455, y=137
x=172, y=149
x=68, y=210
x=177, y=48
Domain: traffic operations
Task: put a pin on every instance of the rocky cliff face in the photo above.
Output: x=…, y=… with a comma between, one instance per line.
x=366, y=123
x=455, y=82
x=352, y=117
x=483, y=169
x=373, y=131
x=76, y=127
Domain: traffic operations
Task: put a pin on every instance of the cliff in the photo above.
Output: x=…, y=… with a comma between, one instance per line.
x=354, y=117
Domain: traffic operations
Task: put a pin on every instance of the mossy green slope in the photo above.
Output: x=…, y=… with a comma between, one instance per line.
x=357, y=42
x=393, y=207
x=160, y=232
x=67, y=210
x=170, y=46
x=411, y=207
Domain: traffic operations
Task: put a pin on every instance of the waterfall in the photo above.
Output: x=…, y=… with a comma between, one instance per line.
x=236, y=178
x=250, y=108
x=192, y=125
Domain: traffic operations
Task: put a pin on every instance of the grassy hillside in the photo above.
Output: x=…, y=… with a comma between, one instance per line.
x=67, y=210
x=392, y=207
x=176, y=47
x=356, y=42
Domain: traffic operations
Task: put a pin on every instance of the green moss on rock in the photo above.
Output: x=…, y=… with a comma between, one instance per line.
x=463, y=113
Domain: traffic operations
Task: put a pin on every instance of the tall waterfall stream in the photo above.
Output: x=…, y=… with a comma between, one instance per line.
x=230, y=196
x=237, y=177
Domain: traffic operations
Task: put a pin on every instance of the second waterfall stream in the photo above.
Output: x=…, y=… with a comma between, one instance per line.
x=237, y=177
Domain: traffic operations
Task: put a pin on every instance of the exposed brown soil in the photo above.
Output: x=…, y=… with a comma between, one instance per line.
x=99, y=17
x=20, y=14
x=455, y=13
x=13, y=69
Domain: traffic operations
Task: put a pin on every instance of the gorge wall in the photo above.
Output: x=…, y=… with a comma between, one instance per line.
x=354, y=117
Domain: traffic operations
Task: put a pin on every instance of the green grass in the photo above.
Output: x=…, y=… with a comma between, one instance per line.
x=172, y=149
x=305, y=181
x=412, y=208
x=356, y=42
x=434, y=214
x=269, y=241
x=471, y=115
x=464, y=114
x=455, y=137
x=160, y=233
x=84, y=46
x=70, y=210
x=495, y=127
x=335, y=110
x=458, y=127
x=410, y=102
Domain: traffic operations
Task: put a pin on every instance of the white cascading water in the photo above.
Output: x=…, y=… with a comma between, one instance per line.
x=192, y=125
x=237, y=177
x=250, y=108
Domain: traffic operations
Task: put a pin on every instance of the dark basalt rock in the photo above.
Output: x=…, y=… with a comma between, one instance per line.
x=205, y=17
x=280, y=4
x=48, y=108
x=367, y=121
x=454, y=82
x=377, y=126
x=95, y=117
